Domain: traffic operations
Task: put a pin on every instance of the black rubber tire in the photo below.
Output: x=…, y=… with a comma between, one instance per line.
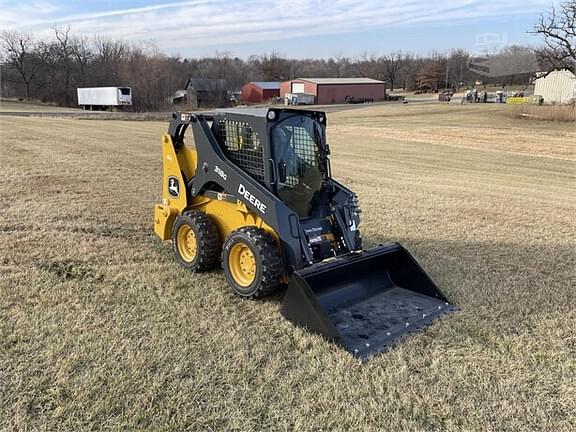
x=207, y=241
x=268, y=262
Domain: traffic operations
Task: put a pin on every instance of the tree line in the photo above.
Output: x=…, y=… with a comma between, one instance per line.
x=51, y=70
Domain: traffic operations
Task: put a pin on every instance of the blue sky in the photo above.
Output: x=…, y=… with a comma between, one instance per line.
x=297, y=28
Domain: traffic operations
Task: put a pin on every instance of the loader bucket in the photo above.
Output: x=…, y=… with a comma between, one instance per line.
x=366, y=301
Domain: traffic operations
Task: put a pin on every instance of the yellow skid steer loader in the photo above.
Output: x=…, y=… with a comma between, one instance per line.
x=252, y=189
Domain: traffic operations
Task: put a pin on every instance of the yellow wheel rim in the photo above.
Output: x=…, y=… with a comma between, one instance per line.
x=242, y=264
x=186, y=242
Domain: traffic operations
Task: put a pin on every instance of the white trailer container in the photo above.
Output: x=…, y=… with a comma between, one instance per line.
x=94, y=98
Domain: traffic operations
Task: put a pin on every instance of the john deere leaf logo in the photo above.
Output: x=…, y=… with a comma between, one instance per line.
x=173, y=187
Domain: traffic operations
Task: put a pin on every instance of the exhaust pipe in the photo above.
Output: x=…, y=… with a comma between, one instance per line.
x=364, y=302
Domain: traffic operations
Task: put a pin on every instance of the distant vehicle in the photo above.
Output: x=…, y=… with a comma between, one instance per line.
x=470, y=96
x=299, y=99
x=445, y=95
x=355, y=100
x=102, y=98
x=234, y=97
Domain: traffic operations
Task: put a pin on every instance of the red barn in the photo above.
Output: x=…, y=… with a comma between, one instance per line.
x=260, y=91
x=335, y=90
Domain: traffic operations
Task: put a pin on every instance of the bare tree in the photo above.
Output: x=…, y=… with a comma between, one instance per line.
x=274, y=67
x=82, y=55
x=407, y=75
x=340, y=65
x=393, y=64
x=432, y=73
x=109, y=56
x=110, y=51
x=558, y=27
x=19, y=51
x=456, y=68
x=368, y=66
x=65, y=59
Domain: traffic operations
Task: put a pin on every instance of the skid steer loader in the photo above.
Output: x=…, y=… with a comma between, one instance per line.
x=252, y=188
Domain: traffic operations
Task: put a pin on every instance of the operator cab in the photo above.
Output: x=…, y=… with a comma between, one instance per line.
x=284, y=150
x=297, y=144
x=303, y=183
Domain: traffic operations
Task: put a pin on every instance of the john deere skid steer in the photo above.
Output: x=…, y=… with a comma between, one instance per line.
x=252, y=189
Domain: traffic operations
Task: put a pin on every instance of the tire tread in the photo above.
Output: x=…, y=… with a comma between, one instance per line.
x=272, y=268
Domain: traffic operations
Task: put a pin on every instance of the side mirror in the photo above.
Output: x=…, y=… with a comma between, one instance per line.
x=282, y=172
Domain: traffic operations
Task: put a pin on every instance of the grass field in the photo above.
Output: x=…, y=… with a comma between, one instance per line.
x=101, y=329
x=13, y=105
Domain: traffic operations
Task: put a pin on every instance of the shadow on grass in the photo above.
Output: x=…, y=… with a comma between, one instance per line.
x=505, y=277
x=495, y=279
x=502, y=278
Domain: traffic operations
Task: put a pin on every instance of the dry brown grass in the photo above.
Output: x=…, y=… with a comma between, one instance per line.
x=560, y=113
x=14, y=105
x=100, y=329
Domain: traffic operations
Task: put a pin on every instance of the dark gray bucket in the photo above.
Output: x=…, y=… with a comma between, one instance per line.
x=364, y=302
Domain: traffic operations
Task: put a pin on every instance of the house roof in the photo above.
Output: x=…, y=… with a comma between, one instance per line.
x=267, y=85
x=557, y=72
x=207, y=84
x=341, y=80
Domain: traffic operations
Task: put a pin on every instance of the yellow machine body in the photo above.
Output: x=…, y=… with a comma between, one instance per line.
x=227, y=216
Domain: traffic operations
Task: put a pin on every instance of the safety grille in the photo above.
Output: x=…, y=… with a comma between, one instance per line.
x=296, y=147
x=242, y=146
x=306, y=150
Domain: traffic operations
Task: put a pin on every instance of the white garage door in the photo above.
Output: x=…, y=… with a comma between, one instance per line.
x=297, y=87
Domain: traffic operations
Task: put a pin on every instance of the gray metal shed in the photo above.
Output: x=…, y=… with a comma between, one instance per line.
x=557, y=87
x=206, y=92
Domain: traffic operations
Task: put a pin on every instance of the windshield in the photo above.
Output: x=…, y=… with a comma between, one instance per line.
x=296, y=143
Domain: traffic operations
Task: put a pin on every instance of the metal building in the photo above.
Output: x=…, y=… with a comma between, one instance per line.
x=205, y=92
x=260, y=91
x=557, y=87
x=336, y=90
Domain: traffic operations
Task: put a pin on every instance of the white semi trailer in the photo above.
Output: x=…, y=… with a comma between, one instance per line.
x=101, y=98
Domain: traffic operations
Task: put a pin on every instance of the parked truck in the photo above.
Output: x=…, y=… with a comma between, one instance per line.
x=299, y=99
x=102, y=98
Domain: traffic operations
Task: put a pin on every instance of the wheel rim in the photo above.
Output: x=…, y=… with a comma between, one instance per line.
x=186, y=242
x=242, y=264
